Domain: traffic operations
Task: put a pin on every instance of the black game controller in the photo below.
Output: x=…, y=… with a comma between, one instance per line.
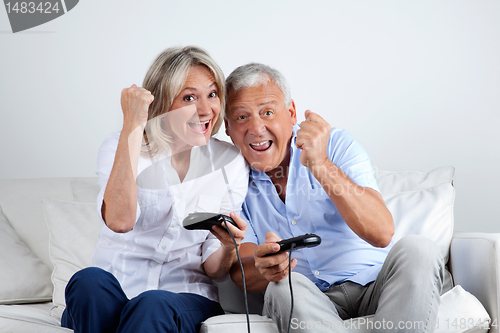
x=307, y=240
x=205, y=221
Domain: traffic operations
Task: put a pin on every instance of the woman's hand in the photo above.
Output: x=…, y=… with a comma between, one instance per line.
x=120, y=197
x=135, y=102
x=238, y=233
x=219, y=263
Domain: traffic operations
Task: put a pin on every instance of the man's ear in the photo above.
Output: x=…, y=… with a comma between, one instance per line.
x=293, y=112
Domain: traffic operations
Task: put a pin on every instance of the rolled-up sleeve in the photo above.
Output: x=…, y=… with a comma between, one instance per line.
x=350, y=156
x=251, y=235
x=236, y=173
x=237, y=178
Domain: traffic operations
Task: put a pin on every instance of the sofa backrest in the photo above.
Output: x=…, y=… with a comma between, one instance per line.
x=421, y=203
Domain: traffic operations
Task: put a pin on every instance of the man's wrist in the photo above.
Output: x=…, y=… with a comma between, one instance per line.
x=324, y=170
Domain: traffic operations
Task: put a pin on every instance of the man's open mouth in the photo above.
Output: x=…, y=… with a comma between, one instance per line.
x=261, y=146
x=199, y=127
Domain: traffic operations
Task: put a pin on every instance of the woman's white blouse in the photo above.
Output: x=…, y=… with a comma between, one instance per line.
x=158, y=253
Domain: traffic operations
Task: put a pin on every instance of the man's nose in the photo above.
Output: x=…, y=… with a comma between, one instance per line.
x=256, y=126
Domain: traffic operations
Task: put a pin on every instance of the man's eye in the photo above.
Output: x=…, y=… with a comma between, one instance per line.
x=240, y=117
x=268, y=113
x=189, y=98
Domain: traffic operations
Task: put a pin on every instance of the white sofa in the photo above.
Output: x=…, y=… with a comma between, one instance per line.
x=48, y=228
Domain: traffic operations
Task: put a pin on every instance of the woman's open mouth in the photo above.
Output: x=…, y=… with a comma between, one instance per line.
x=199, y=127
x=261, y=146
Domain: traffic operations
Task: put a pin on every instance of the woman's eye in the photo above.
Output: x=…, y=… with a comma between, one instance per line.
x=212, y=94
x=189, y=98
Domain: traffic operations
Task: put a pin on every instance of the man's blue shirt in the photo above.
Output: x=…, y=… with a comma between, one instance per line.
x=342, y=255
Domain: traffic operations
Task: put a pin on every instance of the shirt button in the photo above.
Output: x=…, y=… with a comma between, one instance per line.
x=294, y=222
x=163, y=247
x=316, y=272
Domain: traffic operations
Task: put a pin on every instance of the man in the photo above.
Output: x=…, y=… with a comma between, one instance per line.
x=315, y=179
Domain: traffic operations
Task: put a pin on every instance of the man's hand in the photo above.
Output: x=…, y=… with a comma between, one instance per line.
x=362, y=208
x=135, y=102
x=275, y=267
x=312, y=139
x=238, y=233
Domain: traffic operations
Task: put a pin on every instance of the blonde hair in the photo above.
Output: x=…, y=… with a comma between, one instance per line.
x=165, y=79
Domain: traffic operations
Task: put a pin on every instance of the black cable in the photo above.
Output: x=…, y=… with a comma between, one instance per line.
x=290, y=283
x=236, y=247
x=242, y=277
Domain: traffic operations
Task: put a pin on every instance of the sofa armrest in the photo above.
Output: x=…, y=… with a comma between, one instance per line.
x=475, y=265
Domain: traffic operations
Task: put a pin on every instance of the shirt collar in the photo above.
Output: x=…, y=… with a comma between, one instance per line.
x=260, y=175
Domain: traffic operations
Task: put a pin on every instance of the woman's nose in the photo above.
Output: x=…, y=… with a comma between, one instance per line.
x=203, y=107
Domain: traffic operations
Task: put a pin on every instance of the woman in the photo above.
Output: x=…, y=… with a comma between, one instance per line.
x=151, y=274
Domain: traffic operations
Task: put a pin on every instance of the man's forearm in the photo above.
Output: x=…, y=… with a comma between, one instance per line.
x=363, y=209
x=255, y=282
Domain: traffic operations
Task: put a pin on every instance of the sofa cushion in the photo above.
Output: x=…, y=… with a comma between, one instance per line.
x=21, y=201
x=404, y=181
x=238, y=323
x=459, y=312
x=427, y=212
x=84, y=190
x=25, y=278
x=421, y=203
x=74, y=230
x=29, y=318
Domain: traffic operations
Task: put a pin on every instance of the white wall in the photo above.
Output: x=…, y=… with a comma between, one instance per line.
x=417, y=82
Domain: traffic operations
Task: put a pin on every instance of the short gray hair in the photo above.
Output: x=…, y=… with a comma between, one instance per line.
x=255, y=74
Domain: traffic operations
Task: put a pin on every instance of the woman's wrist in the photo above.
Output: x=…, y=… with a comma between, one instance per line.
x=130, y=126
x=230, y=253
